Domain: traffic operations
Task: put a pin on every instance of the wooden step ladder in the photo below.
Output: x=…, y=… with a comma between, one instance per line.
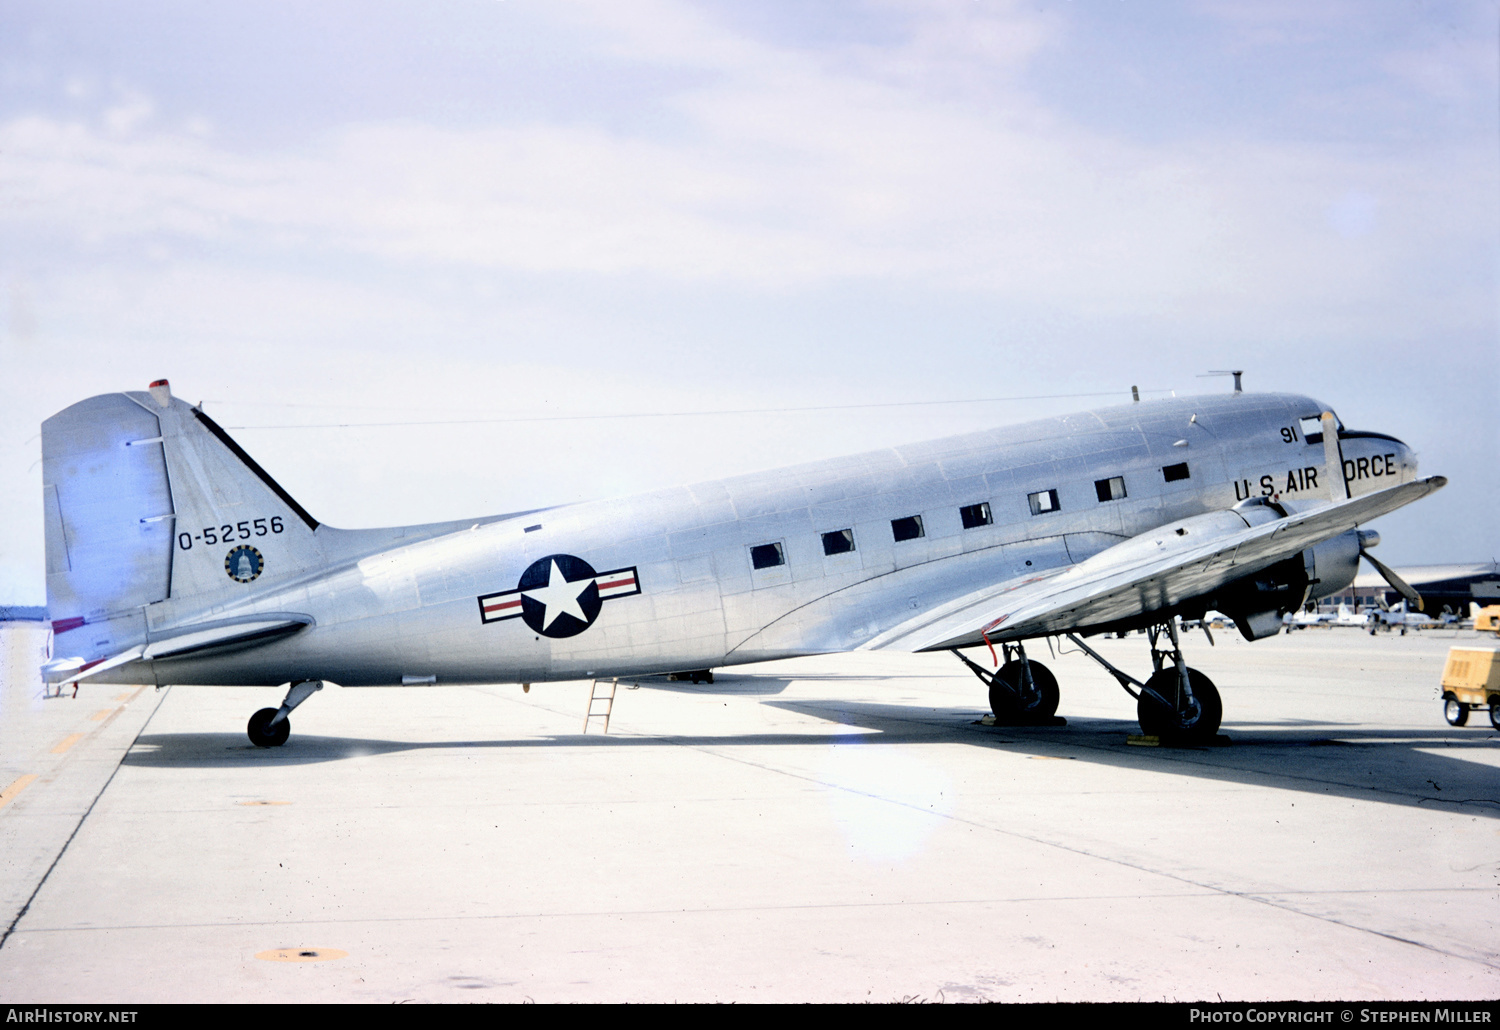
x=600, y=704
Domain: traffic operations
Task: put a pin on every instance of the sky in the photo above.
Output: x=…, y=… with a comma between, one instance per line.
x=410, y=254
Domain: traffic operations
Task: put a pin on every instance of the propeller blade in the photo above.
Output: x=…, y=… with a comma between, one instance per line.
x=1398, y=584
x=1333, y=460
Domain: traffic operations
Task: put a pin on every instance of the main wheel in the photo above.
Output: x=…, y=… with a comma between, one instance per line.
x=263, y=734
x=1455, y=712
x=1041, y=705
x=1197, y=723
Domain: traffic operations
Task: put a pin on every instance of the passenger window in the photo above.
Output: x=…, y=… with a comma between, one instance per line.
x=1043, y=501
x=765, y=556
x=1110, y=489
x=1173, y=473
x=840, y=541
x=975, y=515
x=908, y=528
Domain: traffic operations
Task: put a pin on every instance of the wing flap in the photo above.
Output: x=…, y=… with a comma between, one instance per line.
x=1152, y=571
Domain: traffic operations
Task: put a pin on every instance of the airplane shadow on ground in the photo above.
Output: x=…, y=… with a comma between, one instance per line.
x=1339, y=759
x=743, y=686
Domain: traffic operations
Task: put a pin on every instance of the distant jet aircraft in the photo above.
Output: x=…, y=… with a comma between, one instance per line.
x=1308, y=616
x=1399, y=618
x=173, y=558
x=1349, y=617
x=1345, y=616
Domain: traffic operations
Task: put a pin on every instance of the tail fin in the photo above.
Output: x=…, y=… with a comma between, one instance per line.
x=147, y=500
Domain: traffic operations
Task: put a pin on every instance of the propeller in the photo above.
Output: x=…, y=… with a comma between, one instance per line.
x=1369, y=538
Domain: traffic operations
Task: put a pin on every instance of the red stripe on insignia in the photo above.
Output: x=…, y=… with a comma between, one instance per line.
x=63, y=625
x=627, y=581
x=502, y=605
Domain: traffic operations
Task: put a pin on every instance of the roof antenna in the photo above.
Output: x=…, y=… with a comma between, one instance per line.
x=1224, y=372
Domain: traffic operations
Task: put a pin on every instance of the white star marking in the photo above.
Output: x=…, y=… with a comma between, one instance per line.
x=560, y=597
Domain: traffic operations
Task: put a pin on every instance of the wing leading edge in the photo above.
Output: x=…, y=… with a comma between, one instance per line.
x=1167, y=566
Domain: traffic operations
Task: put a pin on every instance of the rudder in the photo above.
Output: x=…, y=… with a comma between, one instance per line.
x=147, y=501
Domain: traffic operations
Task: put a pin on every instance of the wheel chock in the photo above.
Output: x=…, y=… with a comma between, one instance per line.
x=1023, y=720
x=1151, y=740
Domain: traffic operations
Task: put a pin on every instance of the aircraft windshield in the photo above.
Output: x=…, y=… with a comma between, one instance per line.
x=1312, y=425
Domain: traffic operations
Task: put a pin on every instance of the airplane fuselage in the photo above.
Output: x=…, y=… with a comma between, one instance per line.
x=814, y=558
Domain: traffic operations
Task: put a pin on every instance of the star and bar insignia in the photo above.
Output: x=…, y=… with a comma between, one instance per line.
x=559, y=595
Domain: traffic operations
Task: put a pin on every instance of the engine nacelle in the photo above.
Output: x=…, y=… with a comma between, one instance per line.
x=1332, y=565
x=1257, y=603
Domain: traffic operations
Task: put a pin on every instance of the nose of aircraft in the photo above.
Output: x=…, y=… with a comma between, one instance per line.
x=1376, y=456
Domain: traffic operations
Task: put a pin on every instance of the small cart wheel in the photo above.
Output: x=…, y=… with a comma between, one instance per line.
x=1456, y=712
x=1495, y=714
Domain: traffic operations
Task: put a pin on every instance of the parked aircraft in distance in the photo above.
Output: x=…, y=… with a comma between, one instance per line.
x=173, y=558
x=1306, y=618
x=1399, y=618
x=1311, y=615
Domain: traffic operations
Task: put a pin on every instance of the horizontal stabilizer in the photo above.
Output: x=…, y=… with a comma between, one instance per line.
x=71, y=670
x=185, y=641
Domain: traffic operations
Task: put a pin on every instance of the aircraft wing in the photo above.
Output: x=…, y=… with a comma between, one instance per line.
x=1168, y=565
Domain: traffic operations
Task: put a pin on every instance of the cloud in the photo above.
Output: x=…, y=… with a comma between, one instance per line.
x=749, y=214
x=791, y=177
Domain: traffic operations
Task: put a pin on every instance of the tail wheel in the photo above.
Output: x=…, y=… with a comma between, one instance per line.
x=1042, y=704
x=1457, y=714
x=1193, y=723
x=263, y=734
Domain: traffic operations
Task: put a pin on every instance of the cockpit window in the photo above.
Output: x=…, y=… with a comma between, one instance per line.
x=1312, y=426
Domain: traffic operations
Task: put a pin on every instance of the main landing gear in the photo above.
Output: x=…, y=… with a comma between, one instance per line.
x=1177, y=704
x=270, y=727
x=1021, y=691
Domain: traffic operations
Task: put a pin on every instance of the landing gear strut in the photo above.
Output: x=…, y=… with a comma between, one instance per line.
x=1020, y=690
x=1176, y=703
x=270, y=727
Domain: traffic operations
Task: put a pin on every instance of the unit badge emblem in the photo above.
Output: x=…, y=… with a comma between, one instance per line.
x=244, y=563
x=559, y=595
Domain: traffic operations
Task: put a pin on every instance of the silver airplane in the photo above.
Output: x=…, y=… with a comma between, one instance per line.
x=173, y=558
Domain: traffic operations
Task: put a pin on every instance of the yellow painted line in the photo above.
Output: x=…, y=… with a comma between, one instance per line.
x=67, y=742
x=101, y=714
x=125, y=696
x=15, y=788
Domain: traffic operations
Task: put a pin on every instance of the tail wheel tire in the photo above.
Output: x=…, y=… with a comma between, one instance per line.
x=263, y=734
x=1041, y=705
x=1198, y=722
x=1456, y=713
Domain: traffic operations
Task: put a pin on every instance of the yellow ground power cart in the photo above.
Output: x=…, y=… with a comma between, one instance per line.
x=1487, y=619
x=1471, y=679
